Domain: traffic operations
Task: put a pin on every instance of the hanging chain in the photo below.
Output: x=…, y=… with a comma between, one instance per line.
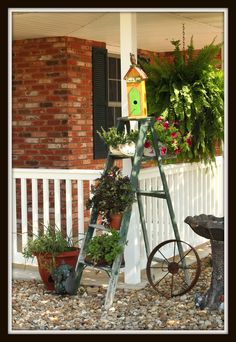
x=184, y=41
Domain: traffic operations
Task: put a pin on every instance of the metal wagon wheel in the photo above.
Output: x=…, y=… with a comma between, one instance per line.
x=173, y=276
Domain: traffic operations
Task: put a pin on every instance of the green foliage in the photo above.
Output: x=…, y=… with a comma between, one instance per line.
x=113, y=138
x=112, y=193
x=132, y=136
x=104, y=248
x=52, y=241
x=190, y=90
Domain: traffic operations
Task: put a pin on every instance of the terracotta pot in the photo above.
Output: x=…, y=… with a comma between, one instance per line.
x=45, y=263
x=115, y=220
x=99, y=219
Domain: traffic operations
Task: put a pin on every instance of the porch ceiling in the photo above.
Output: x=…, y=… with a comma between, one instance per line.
x=155, y=30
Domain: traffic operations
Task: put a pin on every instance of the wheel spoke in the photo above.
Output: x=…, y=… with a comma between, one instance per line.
x=174, y=251
x=184, y=256
x=174, y=282
x=164, y=257
x=160, y=279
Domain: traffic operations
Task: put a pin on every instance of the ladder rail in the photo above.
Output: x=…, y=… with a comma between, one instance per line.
x=169, y=202
x=117, y=262
x=144, y=125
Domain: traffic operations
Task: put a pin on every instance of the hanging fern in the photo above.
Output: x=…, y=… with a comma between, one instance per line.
x=191, y=90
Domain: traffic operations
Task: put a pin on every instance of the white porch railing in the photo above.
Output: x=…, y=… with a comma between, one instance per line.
x=194, y=189
x=26, y=202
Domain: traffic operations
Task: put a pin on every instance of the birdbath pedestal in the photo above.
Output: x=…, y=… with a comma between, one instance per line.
x=211, y=227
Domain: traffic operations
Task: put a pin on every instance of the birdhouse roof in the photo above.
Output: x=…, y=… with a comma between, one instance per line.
x=135, y=71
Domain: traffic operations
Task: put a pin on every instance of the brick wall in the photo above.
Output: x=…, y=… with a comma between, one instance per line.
x=52, y=111
x=52, y=103
x=151, y=55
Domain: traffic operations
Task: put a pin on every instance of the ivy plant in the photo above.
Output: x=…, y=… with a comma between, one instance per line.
x=104, y=248
x=189, y=90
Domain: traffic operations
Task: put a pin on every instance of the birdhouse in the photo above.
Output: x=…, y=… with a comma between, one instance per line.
x=136, y=91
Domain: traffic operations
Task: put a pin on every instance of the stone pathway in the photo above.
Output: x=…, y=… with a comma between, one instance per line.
x=34, y=308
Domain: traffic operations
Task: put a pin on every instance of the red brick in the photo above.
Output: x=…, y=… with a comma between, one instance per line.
x=49, y=66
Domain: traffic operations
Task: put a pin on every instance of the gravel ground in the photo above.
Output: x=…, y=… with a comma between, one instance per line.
x=34, y=308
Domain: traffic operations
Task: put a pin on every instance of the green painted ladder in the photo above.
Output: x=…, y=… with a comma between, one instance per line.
x=144, y=126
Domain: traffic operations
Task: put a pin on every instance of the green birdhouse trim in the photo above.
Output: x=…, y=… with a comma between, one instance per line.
x=134, y=101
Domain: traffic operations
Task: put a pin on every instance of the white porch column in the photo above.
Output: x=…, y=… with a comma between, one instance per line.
x=128, y=44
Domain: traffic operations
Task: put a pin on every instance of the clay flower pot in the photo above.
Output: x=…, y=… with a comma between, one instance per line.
x=46, y=265
x=115, y=220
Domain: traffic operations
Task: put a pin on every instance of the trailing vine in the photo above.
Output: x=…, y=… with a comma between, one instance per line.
x=190, y=90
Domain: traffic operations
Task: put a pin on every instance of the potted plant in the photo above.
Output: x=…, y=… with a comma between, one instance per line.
x=51, y=248
x=119, y=143
x=112, y=195
x=103, y=249
x=172, y=140
x=190, y=91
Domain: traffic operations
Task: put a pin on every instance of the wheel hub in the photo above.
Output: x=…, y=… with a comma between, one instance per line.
x=173, y=267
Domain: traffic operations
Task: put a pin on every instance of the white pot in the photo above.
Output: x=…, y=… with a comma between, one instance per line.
x=128, y=149
x=149, y=152
x=116, y=151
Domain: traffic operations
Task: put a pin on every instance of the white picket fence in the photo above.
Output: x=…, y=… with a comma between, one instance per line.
x=53, y=180
x=194, y=188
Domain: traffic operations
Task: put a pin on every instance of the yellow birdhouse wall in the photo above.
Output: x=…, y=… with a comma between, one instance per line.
x=137, y=103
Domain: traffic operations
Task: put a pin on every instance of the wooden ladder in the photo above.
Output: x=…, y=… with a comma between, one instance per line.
x=145, y=125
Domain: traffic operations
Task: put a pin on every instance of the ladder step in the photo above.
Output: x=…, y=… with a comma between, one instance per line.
x=120, y=157
x=159, y=194
x=147, y=158
x=99, y=226
x=102, y=268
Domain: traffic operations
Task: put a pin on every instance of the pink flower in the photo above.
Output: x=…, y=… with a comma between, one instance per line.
x=166, y=124
x=177, y=151
x=147, y=144
x=170, y=134
x=176, y=123
x=163, y=151
x=189, y=141
x=174, y=135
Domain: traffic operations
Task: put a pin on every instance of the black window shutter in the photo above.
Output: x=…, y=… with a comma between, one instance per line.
x=100, y=101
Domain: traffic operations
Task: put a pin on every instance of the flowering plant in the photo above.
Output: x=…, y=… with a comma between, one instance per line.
x=112, y=193
x=172, y=139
